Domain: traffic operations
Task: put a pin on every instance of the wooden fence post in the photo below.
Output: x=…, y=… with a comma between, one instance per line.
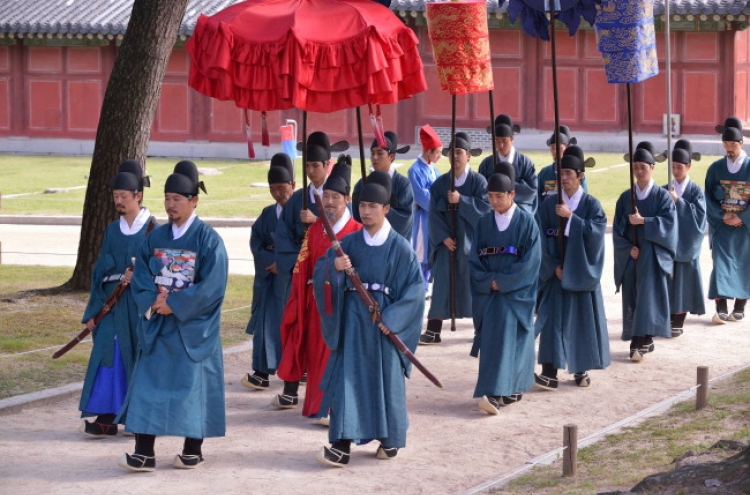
x=570, y=450
x=701, y=395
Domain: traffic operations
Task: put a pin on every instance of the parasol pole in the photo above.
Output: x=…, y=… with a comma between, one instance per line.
x=494, y=134
x=454, y=215
x=630, y=154
x=558, y=171
x=669, y=98
x=362, y=163
x=304, y=159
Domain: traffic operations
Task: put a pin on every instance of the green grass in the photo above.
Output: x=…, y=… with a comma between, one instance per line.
x=230, y=194
x=38, y=318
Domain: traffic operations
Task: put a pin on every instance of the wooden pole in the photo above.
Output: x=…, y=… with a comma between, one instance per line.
x=570, y=452
x=558, y=171
x=701, y=395
x=304, y=160
x=362, y=164
x=454, y=218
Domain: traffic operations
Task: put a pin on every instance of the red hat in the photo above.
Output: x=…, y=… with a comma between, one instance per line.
x=429, y=138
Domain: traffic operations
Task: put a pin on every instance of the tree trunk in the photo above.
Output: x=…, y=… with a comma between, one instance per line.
x=128, y=110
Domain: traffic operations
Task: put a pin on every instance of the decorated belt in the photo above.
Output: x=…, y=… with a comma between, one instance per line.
x=113, y=278
x=552, y=232
x=171, y=283
x=489, y=251
x=375, y=287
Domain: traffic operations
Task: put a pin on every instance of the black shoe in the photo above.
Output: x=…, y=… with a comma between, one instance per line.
x=676, y=332
x=255, y=382
x=98, y=430
x=329, y=456
x=283, y=401
x=187, y=461
x=429, y=337
x=138, y=462
x=385, y=453
x=646, y=348
x=736, y=317
x=511, y=399
x=637, y=354
x=544, y=382
x=582, y=379
x=490, y=405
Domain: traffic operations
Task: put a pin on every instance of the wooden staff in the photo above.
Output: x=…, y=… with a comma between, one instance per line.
x=304, y=159
x=454, y=219
x=362, y=163
x=558, y=169
x=371, y=304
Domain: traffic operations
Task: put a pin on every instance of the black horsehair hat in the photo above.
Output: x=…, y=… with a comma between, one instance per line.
x=281, y=169
x=648, y=146
x=565, y=137
x=184, y=180
x=504, y=119
x=685, y=145
x=503, y=178
x=391, y=140
x=129, y=177
x=377, y=189
x=340, y=178
x=319, y=147
x=577, y=151
x=733, y=123
x=463, y=141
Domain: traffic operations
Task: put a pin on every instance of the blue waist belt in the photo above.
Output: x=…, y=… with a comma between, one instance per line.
x=372, y=287
x=489, y=251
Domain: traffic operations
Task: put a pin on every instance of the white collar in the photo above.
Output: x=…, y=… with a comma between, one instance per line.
x=140, y=220
x=178, y=232
x=679, y=187
x=380, y=236
x=279, y=209
x=502, y=220
x=316, y=190
x=341, y=223
x=461, y=179
x=734, y=166
x=511, y=156
x=573, y=201
x=643, y=194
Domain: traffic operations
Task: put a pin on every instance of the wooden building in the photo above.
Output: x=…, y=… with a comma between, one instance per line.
x=56, y=57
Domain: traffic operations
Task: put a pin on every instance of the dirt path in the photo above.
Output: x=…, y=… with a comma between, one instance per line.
x=452, y=445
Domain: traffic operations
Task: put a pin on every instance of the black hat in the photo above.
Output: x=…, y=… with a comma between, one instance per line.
x=685, y=145
x=502, y=178
x=731, y=134
x=578, y=153
x=340, y=178
x=377, y=189
x=680, y=155
x=735, y=123
x=643, y=155
x=129, y=177
x=464, y=142
x=565, y=137
x=391, y=144
x=281, y=169
x=572, y=162
x=319, y=147
x=504, y=119
x=648, y=146
x=184, y=180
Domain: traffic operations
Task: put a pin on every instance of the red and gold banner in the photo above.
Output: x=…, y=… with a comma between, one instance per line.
x=461, y=45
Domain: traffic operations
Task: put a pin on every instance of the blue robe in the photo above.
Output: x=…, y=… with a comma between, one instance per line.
x=178, y=381
x=267, y=305
x=115, y=341
x=729, y=245
x=571, y=318
x=401, y=214
x=364, y=383
x=526, y=181
x=547, y=185
x=686, y=283
x=472, y=205
x=644, y=282
x=504, y=319
x=290, y=232
x=421, y=175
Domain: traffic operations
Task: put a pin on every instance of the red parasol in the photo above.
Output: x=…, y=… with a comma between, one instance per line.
x=314, y=55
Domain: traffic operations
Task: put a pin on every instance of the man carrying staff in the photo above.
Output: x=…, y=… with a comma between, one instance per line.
x=401, y=213
x=526, y=182
x=504, y=265
x=303, y=348
x=113, y=354
x=645, y=239
x=268, y=294
x=727, y=186
x=364, y=382
x=686, y=283
x=178, y=283
x=571, y=321
x=469, y=200
x=422, y=175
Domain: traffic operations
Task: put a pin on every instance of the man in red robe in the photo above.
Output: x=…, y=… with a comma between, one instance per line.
x=302, y=346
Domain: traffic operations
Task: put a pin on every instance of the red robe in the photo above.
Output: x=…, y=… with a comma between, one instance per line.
x=302, y=345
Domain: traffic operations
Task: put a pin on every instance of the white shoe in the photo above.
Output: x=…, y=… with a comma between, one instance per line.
x=489, y=405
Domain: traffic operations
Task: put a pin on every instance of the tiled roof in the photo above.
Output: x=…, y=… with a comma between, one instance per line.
x=110, y=17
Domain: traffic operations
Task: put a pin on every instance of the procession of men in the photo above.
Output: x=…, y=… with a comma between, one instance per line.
x=339, y=279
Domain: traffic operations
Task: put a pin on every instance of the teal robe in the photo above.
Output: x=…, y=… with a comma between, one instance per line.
x=571, y=320
x=644, y=282
x=729, y=245
x=178, y=381
x=526, y=186
x=472, y=205
x=115, y=256
x=686, y=283
x=504, y=319
x=268, y=294
x=547, y=185
x=401, y=214
x=364, y=383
